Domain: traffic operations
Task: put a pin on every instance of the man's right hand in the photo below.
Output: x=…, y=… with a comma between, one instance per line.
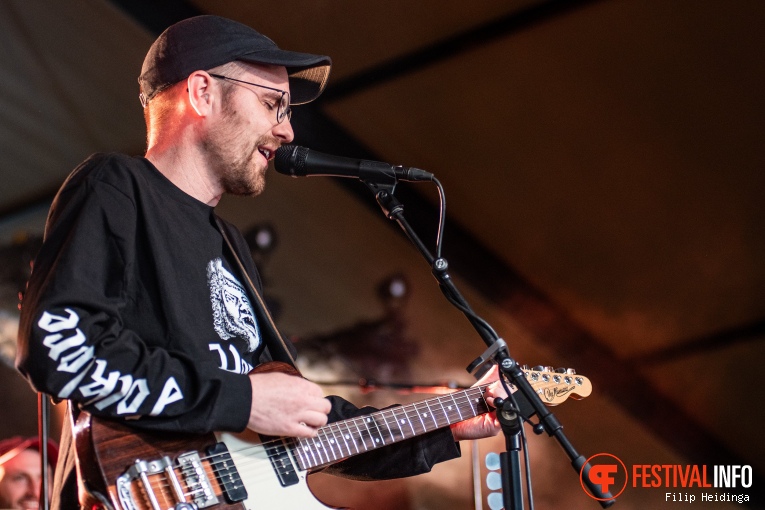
x=286, y=405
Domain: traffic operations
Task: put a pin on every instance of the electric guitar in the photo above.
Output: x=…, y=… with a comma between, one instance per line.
x=126, y=469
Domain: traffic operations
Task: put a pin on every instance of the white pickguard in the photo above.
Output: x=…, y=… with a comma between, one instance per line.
x=264, y=491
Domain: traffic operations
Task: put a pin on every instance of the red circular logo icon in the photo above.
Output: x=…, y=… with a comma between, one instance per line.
x=607, y=472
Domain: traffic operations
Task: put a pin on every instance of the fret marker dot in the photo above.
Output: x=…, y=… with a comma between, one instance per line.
x=347, y=436
x=377, y=440
x=331, y=441
x=425, y=415
x=449, y=408
x=403, y=421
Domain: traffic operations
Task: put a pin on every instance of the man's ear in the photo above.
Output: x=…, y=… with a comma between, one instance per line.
x=199, y=85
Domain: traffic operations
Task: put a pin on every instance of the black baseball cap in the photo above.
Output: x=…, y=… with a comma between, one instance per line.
x=205, y=42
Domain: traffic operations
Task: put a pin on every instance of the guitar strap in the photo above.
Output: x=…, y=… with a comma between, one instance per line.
x=277, y=347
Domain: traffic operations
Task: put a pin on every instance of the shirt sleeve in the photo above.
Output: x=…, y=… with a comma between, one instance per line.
x=409, y=457
x=73, y=343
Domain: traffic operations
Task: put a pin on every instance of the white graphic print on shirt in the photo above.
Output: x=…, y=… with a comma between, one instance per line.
x=232, y=312
x=67, y=344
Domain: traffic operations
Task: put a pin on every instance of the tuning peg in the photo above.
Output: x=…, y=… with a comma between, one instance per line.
x=548, y=369
x=538, y=368
x=560, y=370
x=524, y=367
x=570, y=371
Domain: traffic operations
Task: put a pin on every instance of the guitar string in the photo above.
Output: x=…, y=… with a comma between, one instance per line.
x=318, y=450
x=216, y=461
x=464, y=397
x=409, y=411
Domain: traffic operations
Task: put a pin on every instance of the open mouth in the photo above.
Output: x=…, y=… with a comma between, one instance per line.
x=267, y=153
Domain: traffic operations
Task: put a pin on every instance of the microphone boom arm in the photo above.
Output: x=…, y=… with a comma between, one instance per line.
x=394, y=210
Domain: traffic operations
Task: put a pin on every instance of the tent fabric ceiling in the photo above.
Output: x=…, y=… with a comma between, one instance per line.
x=606, y=153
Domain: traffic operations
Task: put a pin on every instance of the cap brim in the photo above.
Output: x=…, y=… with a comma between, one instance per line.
x=308, y=74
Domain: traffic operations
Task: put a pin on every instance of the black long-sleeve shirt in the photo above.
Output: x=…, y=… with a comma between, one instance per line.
x=135, y=312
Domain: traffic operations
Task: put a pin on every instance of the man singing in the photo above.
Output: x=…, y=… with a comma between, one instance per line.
x=144, y=306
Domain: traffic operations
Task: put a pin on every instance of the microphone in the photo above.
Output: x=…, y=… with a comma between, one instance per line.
x=302, y=162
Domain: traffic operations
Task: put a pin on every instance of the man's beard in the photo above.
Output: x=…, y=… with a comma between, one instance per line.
x=237, y=163
x=241, y=175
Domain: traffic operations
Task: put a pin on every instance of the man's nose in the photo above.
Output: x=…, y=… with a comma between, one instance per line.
x=33, y=488
x=283, y=131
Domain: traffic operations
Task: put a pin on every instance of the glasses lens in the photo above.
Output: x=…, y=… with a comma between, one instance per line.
x=284, y=108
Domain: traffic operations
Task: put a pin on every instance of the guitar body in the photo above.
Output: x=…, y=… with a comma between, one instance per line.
x=124, y=468
x=113, y=448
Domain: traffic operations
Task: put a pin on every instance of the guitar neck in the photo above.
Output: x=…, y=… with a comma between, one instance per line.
x=340, y=440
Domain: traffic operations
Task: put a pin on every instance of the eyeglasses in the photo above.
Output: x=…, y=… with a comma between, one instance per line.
x=283, y=109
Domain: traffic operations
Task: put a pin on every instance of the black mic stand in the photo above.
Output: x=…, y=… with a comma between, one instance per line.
x=43, y=431
x=510, y=460
x=383, y=188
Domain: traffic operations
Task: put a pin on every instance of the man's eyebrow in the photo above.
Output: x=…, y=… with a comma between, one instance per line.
x=272, y=94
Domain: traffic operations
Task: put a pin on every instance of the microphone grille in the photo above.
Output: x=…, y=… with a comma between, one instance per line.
x=290, y=160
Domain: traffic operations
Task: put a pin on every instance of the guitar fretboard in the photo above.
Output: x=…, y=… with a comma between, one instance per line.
x=340, y=440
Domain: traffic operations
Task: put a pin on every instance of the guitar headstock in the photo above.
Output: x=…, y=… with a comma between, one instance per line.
x=555, y=386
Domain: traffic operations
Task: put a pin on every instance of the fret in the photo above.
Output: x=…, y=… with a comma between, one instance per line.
x=348, y=434
x=457, y=407
x=326, y=443
x=317, y=448
x=338, y=442
x=297, y=450
x=443, y=409
x=419, y=415
x=432, y=415
x=401, y=434
x=401, y=421
x=307, y=448
x=392, y=437
x=468, y=398
x=413, y=424
x=334, y=442
x=482, y=390
x=480, y=401
x=345, y=436
x=361, y=435
x=378, y=440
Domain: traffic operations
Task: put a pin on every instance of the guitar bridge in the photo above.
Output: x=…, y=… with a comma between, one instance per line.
x=141, y=470
x=196, y=480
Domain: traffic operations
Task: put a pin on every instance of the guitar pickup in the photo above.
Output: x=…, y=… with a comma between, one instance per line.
x=280, y=460
x=225, y=470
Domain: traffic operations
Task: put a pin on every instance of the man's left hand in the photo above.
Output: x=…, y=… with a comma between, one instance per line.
x=485, y=425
